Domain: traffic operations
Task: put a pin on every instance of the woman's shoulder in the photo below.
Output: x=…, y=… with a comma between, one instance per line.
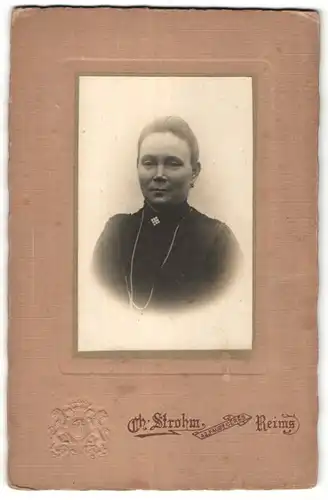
x=224, y=252
x=118, y=221
x=216, y=233
x=210, y=223
x=111, y=234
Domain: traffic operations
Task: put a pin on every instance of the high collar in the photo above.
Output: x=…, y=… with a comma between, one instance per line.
x=168, y=214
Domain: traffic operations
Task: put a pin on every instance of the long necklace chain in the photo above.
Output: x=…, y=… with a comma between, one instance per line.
x=130, y=291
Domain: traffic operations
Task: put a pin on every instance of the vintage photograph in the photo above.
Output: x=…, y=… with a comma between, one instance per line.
x=164, y=213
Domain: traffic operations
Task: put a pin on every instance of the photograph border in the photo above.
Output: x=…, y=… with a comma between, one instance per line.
x=167, y=353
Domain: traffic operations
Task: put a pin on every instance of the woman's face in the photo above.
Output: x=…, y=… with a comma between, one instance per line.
x=164, y=169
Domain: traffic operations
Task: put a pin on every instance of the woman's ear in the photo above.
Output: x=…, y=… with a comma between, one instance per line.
x=196, y=170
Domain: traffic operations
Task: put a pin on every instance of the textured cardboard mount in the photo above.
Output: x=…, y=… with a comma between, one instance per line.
x=225, y=422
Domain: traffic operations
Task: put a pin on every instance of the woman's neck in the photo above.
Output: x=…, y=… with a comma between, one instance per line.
x=168, y=212
x=166, y=207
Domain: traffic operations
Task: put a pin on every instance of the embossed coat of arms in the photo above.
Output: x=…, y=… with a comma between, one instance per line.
x=78, y=428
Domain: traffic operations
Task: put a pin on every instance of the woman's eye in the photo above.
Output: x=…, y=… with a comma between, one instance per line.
x=147, y=163
x=174, y=163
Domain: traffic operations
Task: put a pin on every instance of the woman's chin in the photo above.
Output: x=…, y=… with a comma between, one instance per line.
x=160, y=200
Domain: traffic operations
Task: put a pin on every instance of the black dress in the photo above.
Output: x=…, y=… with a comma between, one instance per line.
x=202, y=260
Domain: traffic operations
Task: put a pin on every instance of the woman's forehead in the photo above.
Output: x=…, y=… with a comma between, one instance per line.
x=164, y=143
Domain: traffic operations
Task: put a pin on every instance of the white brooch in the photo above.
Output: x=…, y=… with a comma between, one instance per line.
x=155, y=221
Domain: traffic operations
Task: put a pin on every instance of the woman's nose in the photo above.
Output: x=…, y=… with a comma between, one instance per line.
x=159, y=171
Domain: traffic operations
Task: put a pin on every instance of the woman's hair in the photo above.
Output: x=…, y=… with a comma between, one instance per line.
x=177, y=126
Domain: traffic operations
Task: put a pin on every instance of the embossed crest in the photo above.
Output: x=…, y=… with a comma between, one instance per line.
x=79, y=428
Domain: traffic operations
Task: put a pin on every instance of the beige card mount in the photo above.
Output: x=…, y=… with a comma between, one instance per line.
x=163, y=248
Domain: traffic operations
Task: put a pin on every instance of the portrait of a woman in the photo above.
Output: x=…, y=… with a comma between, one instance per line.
x=167, y=254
